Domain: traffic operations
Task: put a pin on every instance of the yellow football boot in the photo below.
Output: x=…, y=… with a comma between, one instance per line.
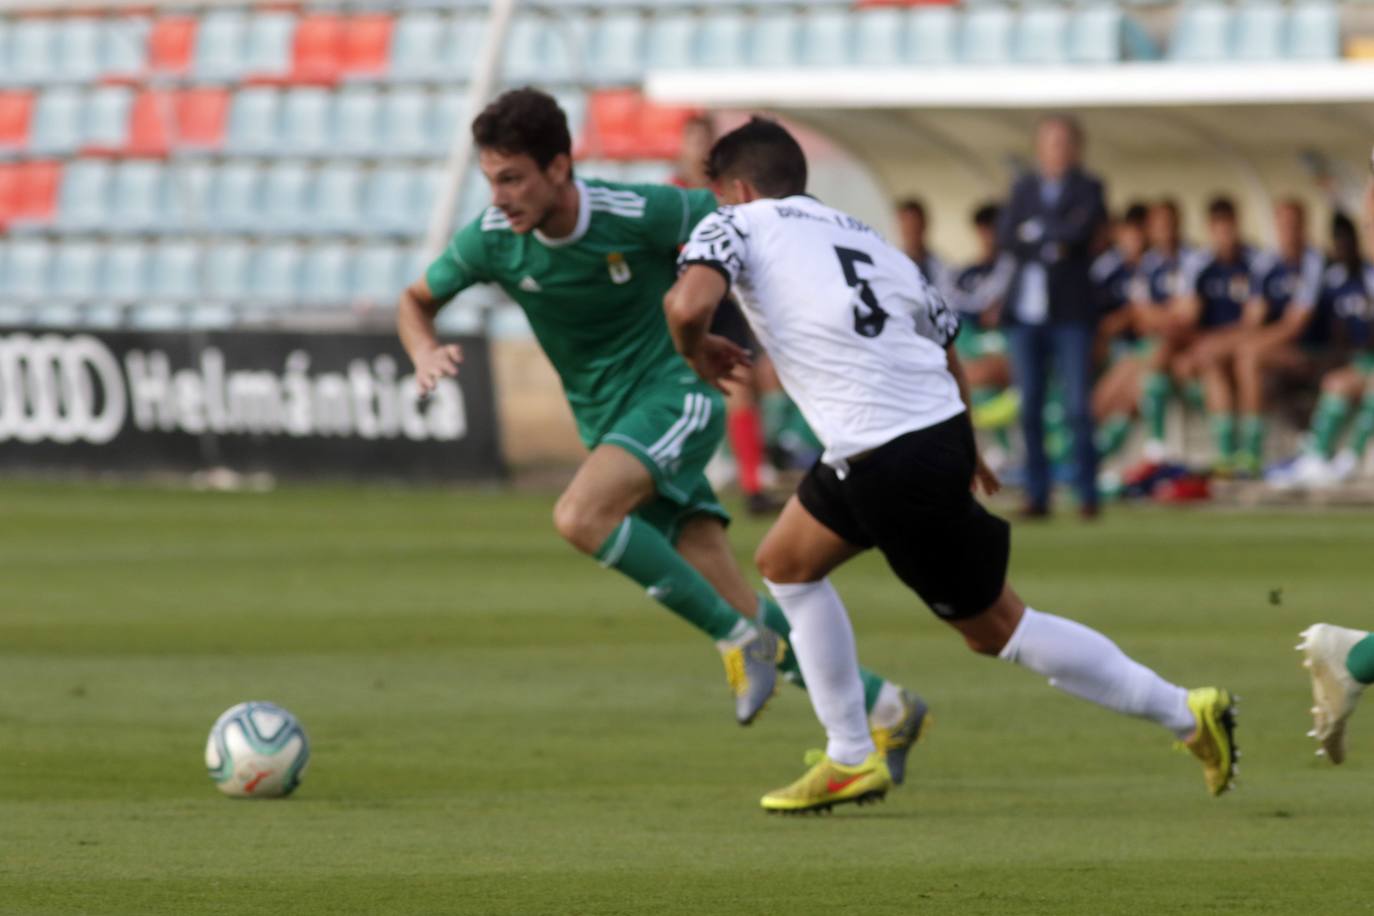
x=828, y=784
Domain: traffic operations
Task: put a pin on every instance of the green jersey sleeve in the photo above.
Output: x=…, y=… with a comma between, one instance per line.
x=460, y=265
x=672, y=214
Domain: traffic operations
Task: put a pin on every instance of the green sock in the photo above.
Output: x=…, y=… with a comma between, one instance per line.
x=773, y=618
x=1360, y=661
x=1224, y=434
x=1252, y=437
x=1327, y=422
x=636, y=549
x=1154, y=400
x=1112, y=434
x=773, y=407
x=1364, y=426
x=1194, y=396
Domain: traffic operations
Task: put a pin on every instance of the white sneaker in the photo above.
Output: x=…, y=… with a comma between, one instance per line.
x=1155, y=451
x=1312, y=471
x=1334, y=691
x=1344, y=466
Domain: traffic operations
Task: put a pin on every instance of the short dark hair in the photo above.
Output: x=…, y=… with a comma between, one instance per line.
x=1221, y=207
x=1169, y=205
x=762, y=153
x=1135, y=214
x=986, y=215
x=524, y=121
x=912, y=205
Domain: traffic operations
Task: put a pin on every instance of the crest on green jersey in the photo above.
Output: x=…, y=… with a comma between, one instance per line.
x=617, y=268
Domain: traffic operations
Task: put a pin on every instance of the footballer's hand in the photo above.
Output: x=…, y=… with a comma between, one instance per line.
x=439, y=362
x=984, y=479
x=719, y=360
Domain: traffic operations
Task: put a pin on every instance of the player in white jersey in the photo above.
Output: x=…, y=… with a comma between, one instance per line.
x=862, y=344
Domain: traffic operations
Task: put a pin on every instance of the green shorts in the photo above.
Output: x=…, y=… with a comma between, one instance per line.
x=674, y=428
x=1363, y=363
x=974, y=342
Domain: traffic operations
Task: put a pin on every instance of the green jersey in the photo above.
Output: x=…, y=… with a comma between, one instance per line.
x=594, y=298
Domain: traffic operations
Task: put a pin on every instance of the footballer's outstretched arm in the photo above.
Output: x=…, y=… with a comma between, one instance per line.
x=415, y=325
x=689, y=307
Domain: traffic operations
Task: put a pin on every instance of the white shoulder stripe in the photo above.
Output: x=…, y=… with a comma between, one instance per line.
x=629, y=197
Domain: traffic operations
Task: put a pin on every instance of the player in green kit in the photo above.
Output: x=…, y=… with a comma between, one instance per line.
x=589, y=262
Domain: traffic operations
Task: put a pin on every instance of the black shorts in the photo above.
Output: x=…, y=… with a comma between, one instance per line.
x=729, y=322
x=911, y=499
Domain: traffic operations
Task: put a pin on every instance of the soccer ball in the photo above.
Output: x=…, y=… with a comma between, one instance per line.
x=257, y=750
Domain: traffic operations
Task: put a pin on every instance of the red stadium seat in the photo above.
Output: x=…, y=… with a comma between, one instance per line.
x=16, y=114
x=202, y=116
x=9, y=192
x=622, y=125
x=367, y=45
x=150, y=123
x=661, y=130
x=162, y=120
x=171, y=45
x=317, y=50
x=36, y=199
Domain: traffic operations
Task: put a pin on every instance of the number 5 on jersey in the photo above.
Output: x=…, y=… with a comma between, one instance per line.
x=868, y=323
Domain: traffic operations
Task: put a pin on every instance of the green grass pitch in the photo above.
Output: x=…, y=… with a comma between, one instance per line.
x=499, y=726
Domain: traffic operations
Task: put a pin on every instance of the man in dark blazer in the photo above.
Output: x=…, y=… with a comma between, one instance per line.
x=1048, y=230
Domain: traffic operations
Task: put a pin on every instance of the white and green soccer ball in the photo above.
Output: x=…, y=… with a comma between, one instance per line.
x=257, y=750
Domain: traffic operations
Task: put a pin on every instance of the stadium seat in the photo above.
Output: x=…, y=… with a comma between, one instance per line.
x=448, y=115
x=932, y=36
x=660, y=131
x=106, y=116
x=366, y=43
x=77, y=271
x=152, y=123
x=35, y=198
x=307, y=115
x=201, y=116
x=986, y=36
x=16, y=118
x=124, y=47
x=220, y=45
x=474, y=195
x=613, y=124
x=1095, y=35
x=378, y=276
x=325, y=274
x=175, y=271
x=1259, y=31
x=724, y=39
x=527, y=50
x=27, y=271
x=672, y=41
x=285, y=198
x=84, y=200
x=171, y=44
x=775, y=40
x=268, y=45
x=190, y=196
x=615, y=49
x=356, y=123
x=1202, y=32
x=880, y=36
x=78, y=49
x=225, y=275
x=406, y=129
x=10, y=179
x=336, y=199
x=1042, y=35
x=33, y=52
x=234, y=196
x=137, y=196
x=418, y=46
x=275, y=275
x=1314, y=31
x=126, y=275
x=57, y=125
x=467, y=33
x=388, y=202
x=255, y=121
x=574, y=105
x=317, y=48
x=827, y=38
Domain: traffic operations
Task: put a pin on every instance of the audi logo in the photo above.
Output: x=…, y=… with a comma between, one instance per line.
x=59, y=389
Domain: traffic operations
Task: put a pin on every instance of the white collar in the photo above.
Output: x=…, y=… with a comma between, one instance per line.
x=584, y=219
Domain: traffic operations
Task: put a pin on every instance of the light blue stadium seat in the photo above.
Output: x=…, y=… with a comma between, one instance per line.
x=986, y=36
x=33, y=51
x=306, y=115
x=880, y=36
x=1042, y=34
x=220, y=43
x=1202, y=32
x=448, y=115
x=476, y=195
x=724, y=39
x=574, y=105
x=672, y=41
x=126, y=272
x=1259, y=31
x=77, y=271
x=234, y=197
x=84, y=198
x=285, y=198
x=337, y=204
x=1095, y=35
x=541, y=49
x=467, y=33
x=27, y=270
x=387, y=201
x=326, y=276
x=276, y=275
x=378, y=277
x=267, y=44
x=107, y=117
x=124, y=45
x=78, y=46
x=190, y=195
x=405, y=123
x=255, y=121
x=418, y=46
x=775, y=40
x=138, y=196
x=357, y=122
x=176, y=267
x=615, y=49
x=932, y=36
x=1314, y=31
x=226, y=272
x=57, y=121
x=827, y=38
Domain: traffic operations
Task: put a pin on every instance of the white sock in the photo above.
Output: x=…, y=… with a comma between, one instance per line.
x=1083, y=662
x=888, y=709
x=823, y=641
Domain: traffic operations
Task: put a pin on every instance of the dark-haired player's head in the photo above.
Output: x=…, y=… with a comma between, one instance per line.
x=525, y=151
x=1223, y=227
x=759, y=159
x=1290, y=227
x=911, y=222
x=1345, y=242
x=1128, y=232
x=1165, y=225
x=985, y=226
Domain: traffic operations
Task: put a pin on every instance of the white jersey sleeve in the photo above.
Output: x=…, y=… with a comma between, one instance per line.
x=856, y=331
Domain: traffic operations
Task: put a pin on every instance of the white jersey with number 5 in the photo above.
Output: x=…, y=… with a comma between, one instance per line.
x=857, y=333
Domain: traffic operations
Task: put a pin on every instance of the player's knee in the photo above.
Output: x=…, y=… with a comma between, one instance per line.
x=576, y=524
x=780, y=567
